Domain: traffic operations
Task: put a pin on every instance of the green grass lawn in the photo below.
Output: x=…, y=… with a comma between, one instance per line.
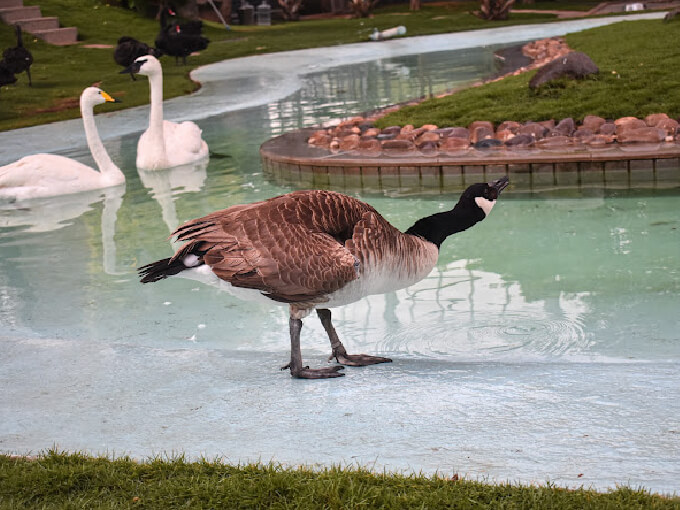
x=76, y=481
x=639, y=75
x=61, y=73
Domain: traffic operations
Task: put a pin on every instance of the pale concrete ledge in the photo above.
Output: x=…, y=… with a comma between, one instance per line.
x=290, y=159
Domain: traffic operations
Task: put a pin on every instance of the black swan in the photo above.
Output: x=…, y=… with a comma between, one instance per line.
x=18, y=59
x=128, y=49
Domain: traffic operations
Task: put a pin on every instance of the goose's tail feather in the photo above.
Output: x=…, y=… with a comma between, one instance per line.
x=160, y=270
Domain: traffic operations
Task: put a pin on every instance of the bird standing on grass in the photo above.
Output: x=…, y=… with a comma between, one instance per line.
x=18, y=59
x=316, y=250
x=128, y=49
x=178, y=40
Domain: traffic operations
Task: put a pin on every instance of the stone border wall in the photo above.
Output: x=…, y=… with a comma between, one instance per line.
x=289, y=159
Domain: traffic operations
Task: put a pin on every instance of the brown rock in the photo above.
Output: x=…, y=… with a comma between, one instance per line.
x=520, y=141
x=631, y=124
x=548, y=124
x=428, y=147
x=408, y=135
x=349, y=142
x=428, y=136
x=391, y=130
x=480, y=123
x=670, y=126
x=554, y=142
x=625, y=120
x=608, y=128
x=600, y=140
x=574, y=65
x=319, y=138
x=642, y=135
x=481, y=132
x=504, y=135
x=593, y=122
x=653, y=119
x=460, y=132
x=565, y=127
x=372, y=132
x=398, y=145
x=509, y=125
x=371, y=145
x=534, y=129
x=454, y=143
x=429, y=127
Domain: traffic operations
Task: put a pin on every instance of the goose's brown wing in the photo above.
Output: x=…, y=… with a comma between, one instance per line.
x=290, y=247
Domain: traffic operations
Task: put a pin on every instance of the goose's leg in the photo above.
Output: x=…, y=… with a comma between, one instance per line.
x=295, y=365
x=339, y=352
x=28, y=72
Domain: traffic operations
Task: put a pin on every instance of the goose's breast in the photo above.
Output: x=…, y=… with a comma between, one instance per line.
x=388, y=273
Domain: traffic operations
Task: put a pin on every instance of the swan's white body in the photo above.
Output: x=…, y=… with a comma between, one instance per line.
x=166, y=144
x=44, y=175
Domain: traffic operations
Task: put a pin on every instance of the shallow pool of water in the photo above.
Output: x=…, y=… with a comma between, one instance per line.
x=544, y=346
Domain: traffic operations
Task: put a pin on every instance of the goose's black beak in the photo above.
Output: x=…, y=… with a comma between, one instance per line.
x=132, y=68
x=500, y=184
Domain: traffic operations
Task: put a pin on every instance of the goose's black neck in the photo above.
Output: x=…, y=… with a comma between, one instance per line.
x=439, y=226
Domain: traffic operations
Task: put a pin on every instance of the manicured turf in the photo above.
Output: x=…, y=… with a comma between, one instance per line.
x=638, y=76
x=61, y=73
x=75, y=481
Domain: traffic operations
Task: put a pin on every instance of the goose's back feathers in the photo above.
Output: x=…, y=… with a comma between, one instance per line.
x=303, y=248
x=290, y=247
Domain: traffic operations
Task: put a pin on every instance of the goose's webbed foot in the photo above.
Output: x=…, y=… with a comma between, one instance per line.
x=338, y=350
x=315, y=373
x=357, y=360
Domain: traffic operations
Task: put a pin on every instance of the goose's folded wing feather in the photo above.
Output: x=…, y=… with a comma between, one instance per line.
x=291, y=247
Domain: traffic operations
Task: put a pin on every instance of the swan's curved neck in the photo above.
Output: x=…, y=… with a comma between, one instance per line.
x=156, y=114
x=106, y=166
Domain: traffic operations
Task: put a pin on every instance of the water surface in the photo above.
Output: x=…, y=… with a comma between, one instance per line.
x=544, y=346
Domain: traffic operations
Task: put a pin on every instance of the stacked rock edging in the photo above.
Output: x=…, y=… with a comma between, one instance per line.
x=360, y=134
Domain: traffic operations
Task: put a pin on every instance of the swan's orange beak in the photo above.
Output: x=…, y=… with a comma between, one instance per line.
x=110, y=99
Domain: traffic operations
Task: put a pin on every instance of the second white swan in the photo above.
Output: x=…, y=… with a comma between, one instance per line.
x=165, y=144
x=44, y=175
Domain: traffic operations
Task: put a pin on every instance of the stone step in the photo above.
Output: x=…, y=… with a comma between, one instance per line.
x=13, y=14
x=5, y=4
x=58, y=36
x=34, y=24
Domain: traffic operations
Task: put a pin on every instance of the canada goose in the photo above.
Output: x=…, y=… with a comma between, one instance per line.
x=18, y=59
x=316, y=249
x=164, y=144
x=43, y=175
x=128, y=49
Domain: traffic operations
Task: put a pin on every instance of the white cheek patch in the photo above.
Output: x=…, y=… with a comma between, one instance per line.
x=485, y=205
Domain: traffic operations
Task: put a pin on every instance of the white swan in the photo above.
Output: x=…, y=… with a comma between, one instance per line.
x=44, y=175
x=165, y=144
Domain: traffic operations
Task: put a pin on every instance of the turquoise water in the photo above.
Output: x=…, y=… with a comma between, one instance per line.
x=544, y=346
